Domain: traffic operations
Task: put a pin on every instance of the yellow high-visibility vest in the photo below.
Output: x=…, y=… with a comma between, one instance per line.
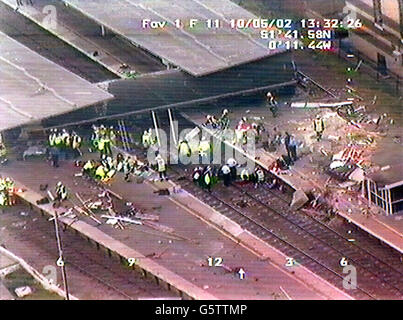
x=184, y=149
x=76, y=142
x=245, y=175
x=101, y=144
x=161, y=165
x=319, y=125
x=207, y=179
x=100, y=172
x=88, y=165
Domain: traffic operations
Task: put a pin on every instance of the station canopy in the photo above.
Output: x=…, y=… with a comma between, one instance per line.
x=33, y=88
x=199, y=50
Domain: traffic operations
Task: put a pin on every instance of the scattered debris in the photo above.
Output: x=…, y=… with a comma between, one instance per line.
x=21, y=292
x=143, y=216
x=163, y=192
x=299, y=198
x=9, y=269
x=117, y=196
x=320, y=104
x=18, y=224
x=123, y=219
x=357, y=175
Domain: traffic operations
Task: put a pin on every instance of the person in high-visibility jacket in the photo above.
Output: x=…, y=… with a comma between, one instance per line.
x=3, y=193
x=101, y=146
x=207, y=178
x=184, y=151
x=107, y=145
x=129, y=166
x=148, y=139
x=9, y=185
x=110, y=174
x=76, y=144
x=161, y=167
x=245, y=176
x=94, y=138
x=66, y=139
x=145, y=139
x=58, y=140
x=112, y=135
x=3, y=153
x=61, y=192
x=204, y=151
x=100, y=172
x=3, y=198
x=89, y=168
x=319, y=127
x=52, y=137
x=272, y=104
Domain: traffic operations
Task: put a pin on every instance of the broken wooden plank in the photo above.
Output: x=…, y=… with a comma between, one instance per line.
x=82, y=211
x=123, y=219
x=114, y=194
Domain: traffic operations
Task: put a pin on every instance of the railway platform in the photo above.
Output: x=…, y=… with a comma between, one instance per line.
x=179, y=258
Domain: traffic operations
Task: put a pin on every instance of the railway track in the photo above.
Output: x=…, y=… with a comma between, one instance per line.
x=91, y=274
x=29, y=34
x=305, y=239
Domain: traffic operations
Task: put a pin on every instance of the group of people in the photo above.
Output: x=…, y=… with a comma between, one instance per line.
x=148, y=138
x=102, y=139
x=106, y=168
x=244, y=126
x=63, y=144
x=222, y=122
x=6, y=192
x=206, y=177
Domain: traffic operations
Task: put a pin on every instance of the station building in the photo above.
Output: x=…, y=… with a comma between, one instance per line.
x=381, y=40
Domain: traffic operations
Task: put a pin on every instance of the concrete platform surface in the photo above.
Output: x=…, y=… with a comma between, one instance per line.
x=180, y=257
x=33, y=88
x=199, y=50
x=113, y=53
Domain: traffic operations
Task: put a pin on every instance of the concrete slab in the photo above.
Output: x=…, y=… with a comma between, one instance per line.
x=113, y=53
x=6, y=261
x=200, y=50
x=33, y=88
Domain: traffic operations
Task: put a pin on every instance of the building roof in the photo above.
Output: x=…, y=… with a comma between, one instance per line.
x=199, y=50
x=389, y=178
x=33, y=88
x=176, y=89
